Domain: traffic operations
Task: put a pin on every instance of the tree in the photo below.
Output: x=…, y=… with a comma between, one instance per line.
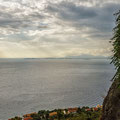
x=116, y=45
x=60, y=114
x=79, y=110
x=111, y=104
x=16, y=118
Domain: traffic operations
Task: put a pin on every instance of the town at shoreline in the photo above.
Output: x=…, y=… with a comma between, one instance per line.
x=76, y=113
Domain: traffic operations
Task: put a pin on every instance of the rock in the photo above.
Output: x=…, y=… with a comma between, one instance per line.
x=111, y=104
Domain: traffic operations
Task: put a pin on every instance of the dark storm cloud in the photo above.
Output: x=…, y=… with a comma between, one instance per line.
x=70, y=11
x=99, y=18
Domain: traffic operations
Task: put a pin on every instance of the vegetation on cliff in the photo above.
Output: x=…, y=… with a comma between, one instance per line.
x=111, y=104
x=116, y=46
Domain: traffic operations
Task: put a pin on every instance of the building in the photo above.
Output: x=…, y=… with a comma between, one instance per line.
x=99, y=106
x=72, y=110
x=28, y=115
x=65, y=111
x=95, y=109
x=88, y=109
x=52, y=114
x=28, y=118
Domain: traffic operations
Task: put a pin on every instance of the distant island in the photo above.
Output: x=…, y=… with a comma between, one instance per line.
x=83, y=56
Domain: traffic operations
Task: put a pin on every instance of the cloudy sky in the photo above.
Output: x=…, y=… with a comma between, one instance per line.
x=56, y=28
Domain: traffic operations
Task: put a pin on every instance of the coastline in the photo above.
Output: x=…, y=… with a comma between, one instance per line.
x=76, y=113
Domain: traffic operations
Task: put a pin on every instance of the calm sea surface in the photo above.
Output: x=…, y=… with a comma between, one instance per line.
x=29, y=85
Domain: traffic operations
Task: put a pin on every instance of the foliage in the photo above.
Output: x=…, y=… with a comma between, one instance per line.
x=80, y=114
x=116, y=46
x=16, y=118
x=60, y=114
x=36, y=116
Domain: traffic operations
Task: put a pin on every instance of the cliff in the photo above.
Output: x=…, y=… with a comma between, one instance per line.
x=111, y=104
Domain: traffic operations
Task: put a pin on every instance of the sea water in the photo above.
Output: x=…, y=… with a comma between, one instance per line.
x=30, y=85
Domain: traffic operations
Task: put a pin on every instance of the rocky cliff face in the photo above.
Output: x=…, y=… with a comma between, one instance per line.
x=111, y=104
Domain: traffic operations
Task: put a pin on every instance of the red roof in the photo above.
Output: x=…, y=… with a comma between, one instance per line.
x=53, y=113
x=72, y=109
x=95, y=109
x=28, y=115
x=28, y=118
x=88, y=109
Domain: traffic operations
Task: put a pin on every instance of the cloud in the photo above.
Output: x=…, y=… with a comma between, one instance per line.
x=70, y=11
x=99, y=18
x=16, y=16
x=50, y=28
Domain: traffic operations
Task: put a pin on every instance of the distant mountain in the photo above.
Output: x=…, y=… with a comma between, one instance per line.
x=83, y=56
x=86, y=56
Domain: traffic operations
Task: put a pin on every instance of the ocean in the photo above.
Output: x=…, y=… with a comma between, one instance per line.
x=30, y=85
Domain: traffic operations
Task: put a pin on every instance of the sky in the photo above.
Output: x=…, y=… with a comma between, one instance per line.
x=56, y=28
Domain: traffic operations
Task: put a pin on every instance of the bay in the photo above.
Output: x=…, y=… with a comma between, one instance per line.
x=29, y=85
